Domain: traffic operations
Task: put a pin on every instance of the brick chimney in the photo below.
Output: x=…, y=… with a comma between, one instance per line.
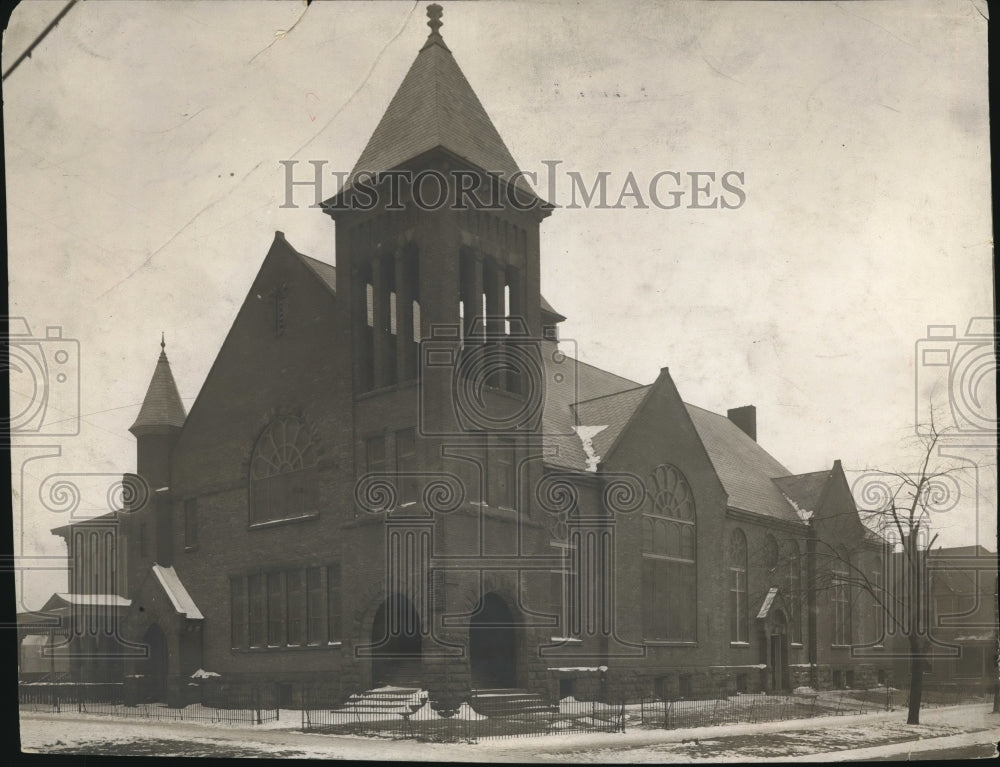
x=746, y=418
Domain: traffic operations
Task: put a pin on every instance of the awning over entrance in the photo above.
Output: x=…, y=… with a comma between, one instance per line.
x=768, y=603
x=178, y=595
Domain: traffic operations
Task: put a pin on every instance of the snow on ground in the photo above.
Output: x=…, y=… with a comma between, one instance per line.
x=820, y=738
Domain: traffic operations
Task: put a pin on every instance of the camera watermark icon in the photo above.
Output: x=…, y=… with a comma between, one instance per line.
x=482, y=381
x=962, y=368
x=44, y=380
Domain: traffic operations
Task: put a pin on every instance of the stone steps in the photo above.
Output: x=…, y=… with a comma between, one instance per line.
x=509, y=702
x=390, y=700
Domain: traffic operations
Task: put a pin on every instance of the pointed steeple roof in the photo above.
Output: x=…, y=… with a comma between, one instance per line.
x=162, y=408
x=436, y=107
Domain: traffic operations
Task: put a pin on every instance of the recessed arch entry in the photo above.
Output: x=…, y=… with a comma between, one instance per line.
x=396, y=643
x=777, y=652
x=492, y=644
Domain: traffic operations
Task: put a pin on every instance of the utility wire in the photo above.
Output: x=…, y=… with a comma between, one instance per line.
x=39, y=39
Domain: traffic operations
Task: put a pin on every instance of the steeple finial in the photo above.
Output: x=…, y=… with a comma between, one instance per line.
x=163, y=341
x=434, y=14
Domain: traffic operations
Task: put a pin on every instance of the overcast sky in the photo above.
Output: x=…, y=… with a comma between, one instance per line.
x=143, y=149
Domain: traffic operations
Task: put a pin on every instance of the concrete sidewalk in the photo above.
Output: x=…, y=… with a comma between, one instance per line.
x=820, y=739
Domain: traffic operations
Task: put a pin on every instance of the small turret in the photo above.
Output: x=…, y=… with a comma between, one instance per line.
x=159, y=421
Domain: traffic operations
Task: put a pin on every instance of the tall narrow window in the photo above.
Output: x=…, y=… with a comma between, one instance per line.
x=190, y=523
x=296, y=606
x=314, y=605
x=792, y=564
x=739, y=629
x=258, y=610
x=237, y=612
x=333, y=627
x=416, y=322
x=841, y=607
x=506, y=310
x=283, y=474
x=370, y=304
x=275, y=610
x=392, y=312
x=406, y=465
x=669, y=584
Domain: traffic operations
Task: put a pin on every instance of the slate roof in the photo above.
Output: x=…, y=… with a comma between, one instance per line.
x=746, y=470
x=744, y=467
x=162, y=405
x=804, y=490
x=326, y=272
x=580, y=382
x=613, y=411
x=436, y=107
x=547, y=309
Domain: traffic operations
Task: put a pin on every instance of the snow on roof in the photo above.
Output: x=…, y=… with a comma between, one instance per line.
x=765, y=608
x=179, y=596
x=99, y=600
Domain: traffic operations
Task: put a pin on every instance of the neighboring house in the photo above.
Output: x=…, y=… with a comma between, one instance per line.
x=963, y=594
x=359, y=496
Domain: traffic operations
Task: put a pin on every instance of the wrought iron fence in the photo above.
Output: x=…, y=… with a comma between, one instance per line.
x=254, y=707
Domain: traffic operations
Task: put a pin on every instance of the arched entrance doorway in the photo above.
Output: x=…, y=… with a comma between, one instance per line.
x=155, y=664
x=777, y=651
x=492, y=645
x=396, y=643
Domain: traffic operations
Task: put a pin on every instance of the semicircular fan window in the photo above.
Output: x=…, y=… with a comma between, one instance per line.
x=283, y=477
x=669, y=588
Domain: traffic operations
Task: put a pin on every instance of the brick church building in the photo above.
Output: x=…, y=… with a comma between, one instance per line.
x=392, y=474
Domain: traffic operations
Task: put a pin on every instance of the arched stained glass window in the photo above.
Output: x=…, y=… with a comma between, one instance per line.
x=739, y=628
x=669, y=600
x=283, y=478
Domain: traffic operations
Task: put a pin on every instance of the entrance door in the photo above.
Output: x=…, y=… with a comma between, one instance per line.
x=396, y=643
x=155, y=666
x=492, y=649
x=778, y=653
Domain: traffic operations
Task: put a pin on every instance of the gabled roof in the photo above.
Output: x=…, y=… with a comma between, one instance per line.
x=747, y=471
x=178, y=595
x=162, y=406
x=436, y=107
x=567, y=382
x=612, y=411
x=744, y=467
x=326, y=272
x=804, y=491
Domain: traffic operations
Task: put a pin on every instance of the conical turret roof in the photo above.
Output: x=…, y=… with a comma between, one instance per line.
x=162, y=408
x=436, y=107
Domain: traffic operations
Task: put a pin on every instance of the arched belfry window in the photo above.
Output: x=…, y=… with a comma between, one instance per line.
x=669, y=595
x=283, y=478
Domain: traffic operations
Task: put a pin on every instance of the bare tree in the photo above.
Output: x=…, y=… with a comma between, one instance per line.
x=888, y=566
